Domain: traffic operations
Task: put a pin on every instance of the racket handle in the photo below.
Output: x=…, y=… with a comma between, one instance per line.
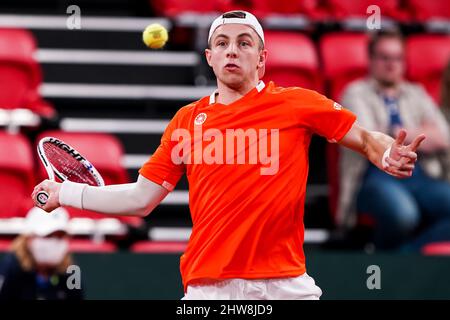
x=42, y=197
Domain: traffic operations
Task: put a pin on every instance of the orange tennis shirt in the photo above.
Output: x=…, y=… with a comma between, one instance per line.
x=247, y=222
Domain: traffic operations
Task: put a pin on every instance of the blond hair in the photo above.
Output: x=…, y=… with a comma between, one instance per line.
x=20, y=248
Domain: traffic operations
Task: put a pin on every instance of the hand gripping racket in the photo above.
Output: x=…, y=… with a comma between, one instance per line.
x=64, y=162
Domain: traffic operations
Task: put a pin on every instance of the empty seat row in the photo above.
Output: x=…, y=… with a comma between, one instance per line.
x=90, y=246
x=294, y=59
x=401, y=10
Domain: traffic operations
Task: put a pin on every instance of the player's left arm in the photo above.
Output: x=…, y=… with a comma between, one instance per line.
x=390, y=155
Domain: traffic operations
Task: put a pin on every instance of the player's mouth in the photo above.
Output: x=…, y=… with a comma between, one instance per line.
x=231, y=67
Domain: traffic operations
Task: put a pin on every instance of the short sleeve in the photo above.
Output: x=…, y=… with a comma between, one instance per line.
x=160, y=168
x=321, y=115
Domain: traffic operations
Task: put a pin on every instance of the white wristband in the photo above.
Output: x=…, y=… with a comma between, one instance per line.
x=71, y=194
x=385, y=156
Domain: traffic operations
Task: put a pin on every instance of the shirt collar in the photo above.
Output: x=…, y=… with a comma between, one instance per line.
x=212, y=98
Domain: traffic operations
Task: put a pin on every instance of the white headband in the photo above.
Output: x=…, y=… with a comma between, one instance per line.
x=249, y=20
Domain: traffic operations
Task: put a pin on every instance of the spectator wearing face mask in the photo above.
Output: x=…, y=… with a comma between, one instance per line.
x=36, y=269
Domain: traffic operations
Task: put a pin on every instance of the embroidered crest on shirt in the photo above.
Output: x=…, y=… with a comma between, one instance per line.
x=337, y=106
x=200, y=118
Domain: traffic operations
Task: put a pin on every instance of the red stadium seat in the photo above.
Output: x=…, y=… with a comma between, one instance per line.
x=20, y=74
x=343, y=9
x=5, y=245
x=345, y=59
x=292, y=60
x=16, y=175
x=429, y=9
x=172, y=8
x=158, y=247
x=247, y=5
x=262, y=8
x=105, y=152
x=75, y=245
x=90, y=246
x=426, y=58
x=267, y=7
x=436, y=249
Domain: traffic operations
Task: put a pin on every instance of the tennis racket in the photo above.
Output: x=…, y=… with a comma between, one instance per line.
x=64, y=162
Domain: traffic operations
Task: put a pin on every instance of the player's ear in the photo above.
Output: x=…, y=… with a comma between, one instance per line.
x=208, y=56
x=262, y=58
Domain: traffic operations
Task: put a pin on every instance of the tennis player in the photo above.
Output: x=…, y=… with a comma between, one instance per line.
x=244, y=150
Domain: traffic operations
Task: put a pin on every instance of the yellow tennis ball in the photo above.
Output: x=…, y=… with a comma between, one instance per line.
x=155, y=36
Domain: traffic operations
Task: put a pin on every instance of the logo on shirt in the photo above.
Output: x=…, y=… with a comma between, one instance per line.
x=337, y=106
x=258, y=147
x=200, y=118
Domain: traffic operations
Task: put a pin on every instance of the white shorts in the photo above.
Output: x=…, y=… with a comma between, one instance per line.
x=295, y=288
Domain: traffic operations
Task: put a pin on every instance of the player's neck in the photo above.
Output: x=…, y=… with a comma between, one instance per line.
x=227, y=95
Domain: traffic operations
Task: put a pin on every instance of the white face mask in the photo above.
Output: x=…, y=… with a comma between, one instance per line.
x=48, y=251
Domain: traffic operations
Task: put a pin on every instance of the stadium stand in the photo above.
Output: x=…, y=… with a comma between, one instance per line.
x=20, y=74
x=428, y=10
x=102, y=79
x=429, y=71
x=346, y=9
x=158, y=247
x=16, y=175
x=173, y=8
x=89, y=246
x=344, y=59
x=292, y=61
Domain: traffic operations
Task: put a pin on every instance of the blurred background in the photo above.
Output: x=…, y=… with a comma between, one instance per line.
x=96, y=86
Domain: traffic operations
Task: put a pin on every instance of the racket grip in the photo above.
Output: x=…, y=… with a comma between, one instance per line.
x=42, y=197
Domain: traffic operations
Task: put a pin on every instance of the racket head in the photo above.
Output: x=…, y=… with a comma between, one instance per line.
x=63, y=161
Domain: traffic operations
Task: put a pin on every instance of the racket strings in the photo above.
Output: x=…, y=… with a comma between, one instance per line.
x=64, y=163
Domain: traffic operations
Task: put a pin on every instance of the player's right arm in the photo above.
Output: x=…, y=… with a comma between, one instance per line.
x=157, y=177
x=132, y=199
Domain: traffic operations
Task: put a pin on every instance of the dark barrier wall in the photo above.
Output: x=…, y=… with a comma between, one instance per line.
x=345, y=275
x=131, y=276
x=340, y=275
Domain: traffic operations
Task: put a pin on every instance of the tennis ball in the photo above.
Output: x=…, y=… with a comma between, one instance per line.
x=155, y=36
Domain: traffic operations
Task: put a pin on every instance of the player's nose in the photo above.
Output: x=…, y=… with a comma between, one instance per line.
x=231, y=51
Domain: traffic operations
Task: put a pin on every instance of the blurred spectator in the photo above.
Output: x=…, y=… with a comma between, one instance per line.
x=386, y=102
x=445, y=99
x=36, y=268
x=445, y=107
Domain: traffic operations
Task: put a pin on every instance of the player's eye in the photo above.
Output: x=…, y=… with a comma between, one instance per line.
x=245, y=43
x=221, y=43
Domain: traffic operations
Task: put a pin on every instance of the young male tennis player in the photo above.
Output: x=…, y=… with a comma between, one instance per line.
x=244, y=150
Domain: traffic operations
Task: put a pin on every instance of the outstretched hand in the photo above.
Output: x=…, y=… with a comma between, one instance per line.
x=402, y=158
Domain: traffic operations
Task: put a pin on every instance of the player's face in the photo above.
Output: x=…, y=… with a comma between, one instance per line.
x=235, y=55
x=387, y=63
